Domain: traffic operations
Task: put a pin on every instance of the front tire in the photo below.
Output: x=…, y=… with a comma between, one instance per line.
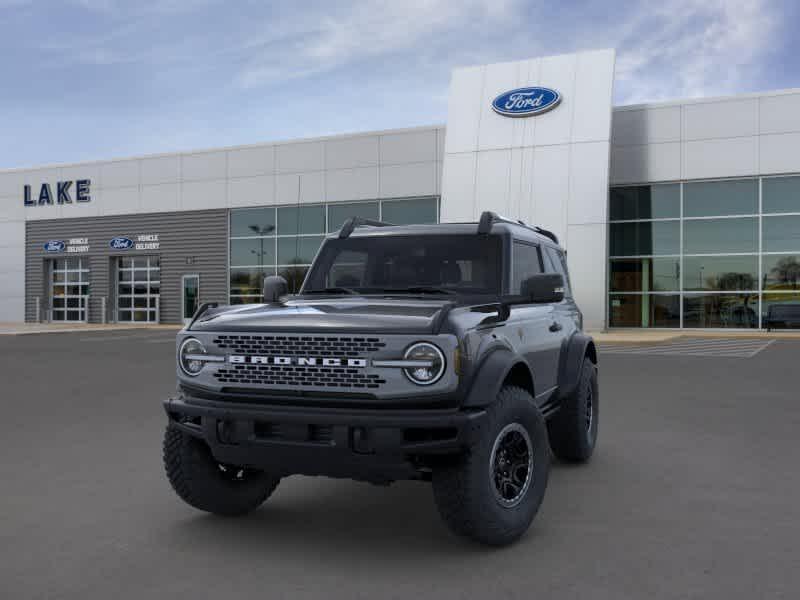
x=573, y=430
x=204, y=483
x=492, y=493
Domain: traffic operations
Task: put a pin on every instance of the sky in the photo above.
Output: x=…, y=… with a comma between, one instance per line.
x=97, y=79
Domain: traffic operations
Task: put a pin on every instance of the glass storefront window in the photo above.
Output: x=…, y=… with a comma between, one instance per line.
x=780, y=195
x=781, y=234
x=645, y=202
x=771, y=305
x=293, y=220
x=780, y=272
x=730, y=252
x=720, y=198
x=406, y=212
x=720, y=236
x=644, y=310
x=645, y=275
x=732, y=311
x=253, y=221
x=298, y=250
x=644, y=239
x=248, y=281
x=285, y=239
x=339, y=213
x=294, y=276
x=722, y=273
x=252, y=252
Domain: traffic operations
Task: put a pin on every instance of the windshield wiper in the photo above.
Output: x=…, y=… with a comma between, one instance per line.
x=418, y=289
x=332, y=290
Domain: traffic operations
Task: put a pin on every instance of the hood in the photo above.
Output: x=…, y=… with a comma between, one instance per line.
x=329, y=315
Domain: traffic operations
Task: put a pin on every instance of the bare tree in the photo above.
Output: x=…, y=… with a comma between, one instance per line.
x=786, y=272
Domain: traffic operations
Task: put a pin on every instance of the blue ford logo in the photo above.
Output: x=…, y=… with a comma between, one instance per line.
x=54, y=246
x=525, y=102
x=121, y=243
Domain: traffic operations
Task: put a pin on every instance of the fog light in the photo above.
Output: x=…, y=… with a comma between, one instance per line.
x=431, y=366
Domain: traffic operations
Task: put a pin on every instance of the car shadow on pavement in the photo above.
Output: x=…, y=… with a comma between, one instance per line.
x=342, y=520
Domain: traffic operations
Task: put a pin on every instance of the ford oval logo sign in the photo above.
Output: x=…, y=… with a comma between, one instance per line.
x=121, y=243
x=526, y=102
x=54, y=246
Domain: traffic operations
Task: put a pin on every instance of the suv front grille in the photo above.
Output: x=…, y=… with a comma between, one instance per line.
x=299, y=345
x=294, y=376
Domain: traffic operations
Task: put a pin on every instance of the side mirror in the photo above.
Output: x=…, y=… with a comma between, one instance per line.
x=275, y=286
x=544, y=288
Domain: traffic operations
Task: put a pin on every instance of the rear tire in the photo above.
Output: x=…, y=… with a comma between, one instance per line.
x=492, y=493
x=204, y=483
x=573, y=430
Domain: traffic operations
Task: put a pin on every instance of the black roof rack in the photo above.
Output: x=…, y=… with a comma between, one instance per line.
x=489, y=218
x=354, y=222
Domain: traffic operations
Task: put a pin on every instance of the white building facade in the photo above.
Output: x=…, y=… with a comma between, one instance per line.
x=680, y=214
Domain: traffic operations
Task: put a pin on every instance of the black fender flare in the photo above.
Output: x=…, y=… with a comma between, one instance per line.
x=575, y=349
x=489, y=376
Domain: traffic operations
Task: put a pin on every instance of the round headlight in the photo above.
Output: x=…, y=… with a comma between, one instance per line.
x=188, y=356
x=431, y=363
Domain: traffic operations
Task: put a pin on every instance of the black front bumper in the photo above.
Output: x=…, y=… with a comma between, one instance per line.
x=375, y=445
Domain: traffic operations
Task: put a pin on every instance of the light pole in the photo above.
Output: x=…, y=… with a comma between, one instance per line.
x=261, y=231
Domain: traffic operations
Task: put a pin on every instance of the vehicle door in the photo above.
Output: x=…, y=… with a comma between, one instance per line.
x=566, y=315
x=529, y=325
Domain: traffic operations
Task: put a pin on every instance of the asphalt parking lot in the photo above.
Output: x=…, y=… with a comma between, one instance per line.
x=693, y=493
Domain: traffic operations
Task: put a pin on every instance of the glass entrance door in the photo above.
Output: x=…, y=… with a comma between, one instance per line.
x=138, y=289
x=69, y=289
x=191, y=296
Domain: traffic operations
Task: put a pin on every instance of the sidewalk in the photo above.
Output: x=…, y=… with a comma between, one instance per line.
x=29, y=328
x=644, y=336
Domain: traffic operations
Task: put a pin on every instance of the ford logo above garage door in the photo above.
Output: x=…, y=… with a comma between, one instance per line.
x=54, y=246
x=526, y=102
x=121, y=243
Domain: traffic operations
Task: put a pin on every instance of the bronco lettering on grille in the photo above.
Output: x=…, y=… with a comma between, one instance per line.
x=300, y=361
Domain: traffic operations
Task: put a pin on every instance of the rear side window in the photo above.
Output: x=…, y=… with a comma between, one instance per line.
x=559, y=262
x=526, y=262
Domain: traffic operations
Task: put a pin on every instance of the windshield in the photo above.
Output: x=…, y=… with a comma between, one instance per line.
x=419, y=264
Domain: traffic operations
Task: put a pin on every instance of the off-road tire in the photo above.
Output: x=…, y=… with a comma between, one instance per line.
x=573, y=430
x=464, y=489
x=201, y=482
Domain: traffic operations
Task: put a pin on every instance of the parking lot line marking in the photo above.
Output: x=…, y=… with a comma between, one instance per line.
x=724, y=348
x=114, y=338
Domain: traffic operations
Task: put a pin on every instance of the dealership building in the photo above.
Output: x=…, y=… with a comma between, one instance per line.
x=682, y=214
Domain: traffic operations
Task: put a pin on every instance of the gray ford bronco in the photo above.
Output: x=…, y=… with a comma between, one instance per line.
x=449, y=353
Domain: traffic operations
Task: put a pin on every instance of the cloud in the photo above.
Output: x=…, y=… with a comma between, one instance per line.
x=364, y=30
x=690, y=48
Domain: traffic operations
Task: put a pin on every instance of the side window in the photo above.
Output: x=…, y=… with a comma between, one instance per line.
x=527, y=262
x=559, y=262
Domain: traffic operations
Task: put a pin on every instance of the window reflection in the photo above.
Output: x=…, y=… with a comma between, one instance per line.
x=780, y=195
x=645, y=202
x=642, y=239
x=781, y=234
x=644, y=310
x=252, y=221
x=645, y=275
x=720, y=236
x=294, y=276
x=720, y=198
x=781, y=272
x=780, y=310
x=734, y=311
x=721, y=273
x=339, y=213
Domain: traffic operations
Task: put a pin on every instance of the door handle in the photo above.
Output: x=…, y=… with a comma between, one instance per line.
x=556, y=326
